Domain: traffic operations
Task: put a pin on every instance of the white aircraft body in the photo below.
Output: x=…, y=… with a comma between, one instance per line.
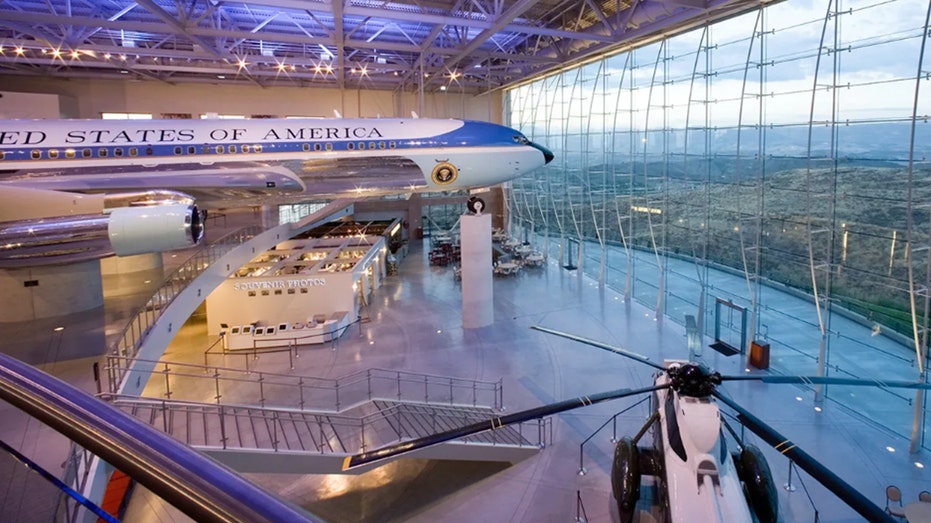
x=701, y=480
x=62, y=179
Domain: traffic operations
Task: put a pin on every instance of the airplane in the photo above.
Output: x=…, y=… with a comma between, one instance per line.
x=72, y=190
x=699, y=477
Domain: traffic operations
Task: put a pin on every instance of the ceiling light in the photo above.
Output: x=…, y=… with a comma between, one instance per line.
x=75, y=55
x=817, y=409
x=106, y=56
x=20, y=51
x=919, y=464
x=221, y=76
x=58, y=329
x=242, y=63
x=442, y=88
x=282, y=67
x=56, y=53
x=124, y=71
x=890, y=449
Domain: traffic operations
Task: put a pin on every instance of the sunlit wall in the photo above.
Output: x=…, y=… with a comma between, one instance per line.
x=787, y=147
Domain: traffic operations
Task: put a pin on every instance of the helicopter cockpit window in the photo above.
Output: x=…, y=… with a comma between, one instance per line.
x=521, y=139
x=672, y=427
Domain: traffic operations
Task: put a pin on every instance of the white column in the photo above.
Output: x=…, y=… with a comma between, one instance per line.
x=477, y=293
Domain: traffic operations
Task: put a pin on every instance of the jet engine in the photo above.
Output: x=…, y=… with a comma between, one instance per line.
x=122, y=231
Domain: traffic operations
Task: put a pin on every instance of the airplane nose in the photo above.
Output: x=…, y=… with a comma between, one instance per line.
x=547, y=154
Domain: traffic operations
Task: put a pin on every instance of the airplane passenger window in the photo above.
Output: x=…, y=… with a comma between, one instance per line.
x=2, y=155
x=521, y=139
x=392, y=145
x=303, y=290
x=177, y=150
x=102, y=153
x=245, y=148
x=53, y=154
x=381, y=145
x=316, y=146
x=235, y=330
x=86, y=153
x=329, y=147
x=350, y=146
x=290, y=291
x=219, y=149
x=258, y=148
x=371, y=145
x=118, y=152
x=251, y=294
x=277, y=292
x=69, y=153
x=36, y=154
x=148, y=151
x=361, y=146
x=133, y=151
x=306, y=147
x=191, y=149
x=265, y=293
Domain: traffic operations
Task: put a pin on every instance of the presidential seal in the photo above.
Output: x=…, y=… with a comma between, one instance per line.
x=445, y=173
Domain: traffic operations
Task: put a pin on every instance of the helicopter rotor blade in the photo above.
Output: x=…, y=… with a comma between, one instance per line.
x=825, y=380
x=493, y=424
x=610, y=348
x=831, y=481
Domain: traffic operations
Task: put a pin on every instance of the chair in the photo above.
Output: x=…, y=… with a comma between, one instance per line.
x=924, y=496
x=894, y=495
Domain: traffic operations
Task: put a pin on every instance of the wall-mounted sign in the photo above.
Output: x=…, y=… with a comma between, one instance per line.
x=278, y=284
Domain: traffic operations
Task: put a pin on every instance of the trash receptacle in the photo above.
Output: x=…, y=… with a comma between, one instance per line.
x=759, y=354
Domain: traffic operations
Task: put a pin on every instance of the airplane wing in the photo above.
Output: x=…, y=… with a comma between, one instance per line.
x=223, y=184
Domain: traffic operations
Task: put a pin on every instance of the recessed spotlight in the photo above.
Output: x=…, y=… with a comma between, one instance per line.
x=817, y=409
x=372, y=342
x=890, y=449
x=798, y=398
x=439, y=331
x=919, y=464
x=58, y=329
x=124, y=71
x=221, y=76
x=147, y=281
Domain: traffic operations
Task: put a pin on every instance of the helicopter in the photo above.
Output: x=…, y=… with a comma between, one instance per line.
x=699, y=478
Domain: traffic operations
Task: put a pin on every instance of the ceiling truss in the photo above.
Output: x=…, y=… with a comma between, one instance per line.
x=471, y=46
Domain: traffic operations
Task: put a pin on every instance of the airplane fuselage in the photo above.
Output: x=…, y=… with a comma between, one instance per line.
x=262, y=156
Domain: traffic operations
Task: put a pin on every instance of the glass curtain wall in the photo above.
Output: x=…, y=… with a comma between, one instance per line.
x=772, y=166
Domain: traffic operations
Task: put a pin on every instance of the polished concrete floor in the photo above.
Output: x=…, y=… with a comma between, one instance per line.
x=416, y=325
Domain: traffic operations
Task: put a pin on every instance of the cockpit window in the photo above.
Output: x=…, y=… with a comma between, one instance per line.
x=521, y=139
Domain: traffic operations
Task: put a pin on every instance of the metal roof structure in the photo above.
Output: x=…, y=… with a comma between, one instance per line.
x=466, y=45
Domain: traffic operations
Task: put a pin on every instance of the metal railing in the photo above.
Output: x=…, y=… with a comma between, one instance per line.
x=613, y=422
x=276, y=429
x=215, y=348
x=307, y=392
x=138, y=327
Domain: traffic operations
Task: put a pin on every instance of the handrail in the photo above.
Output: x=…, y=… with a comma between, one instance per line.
x=136, y=330
x=596, y=431
x=193, y=483
x=354, y=431
x=305, y=392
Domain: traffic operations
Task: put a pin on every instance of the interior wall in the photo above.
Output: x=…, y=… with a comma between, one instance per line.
x=94, y=97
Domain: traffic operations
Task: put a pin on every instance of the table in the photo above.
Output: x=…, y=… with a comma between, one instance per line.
x=507, y=268
x=534, y=259
x=918, y=512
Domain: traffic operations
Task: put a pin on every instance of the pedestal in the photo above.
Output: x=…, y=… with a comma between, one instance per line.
x=477, y=292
